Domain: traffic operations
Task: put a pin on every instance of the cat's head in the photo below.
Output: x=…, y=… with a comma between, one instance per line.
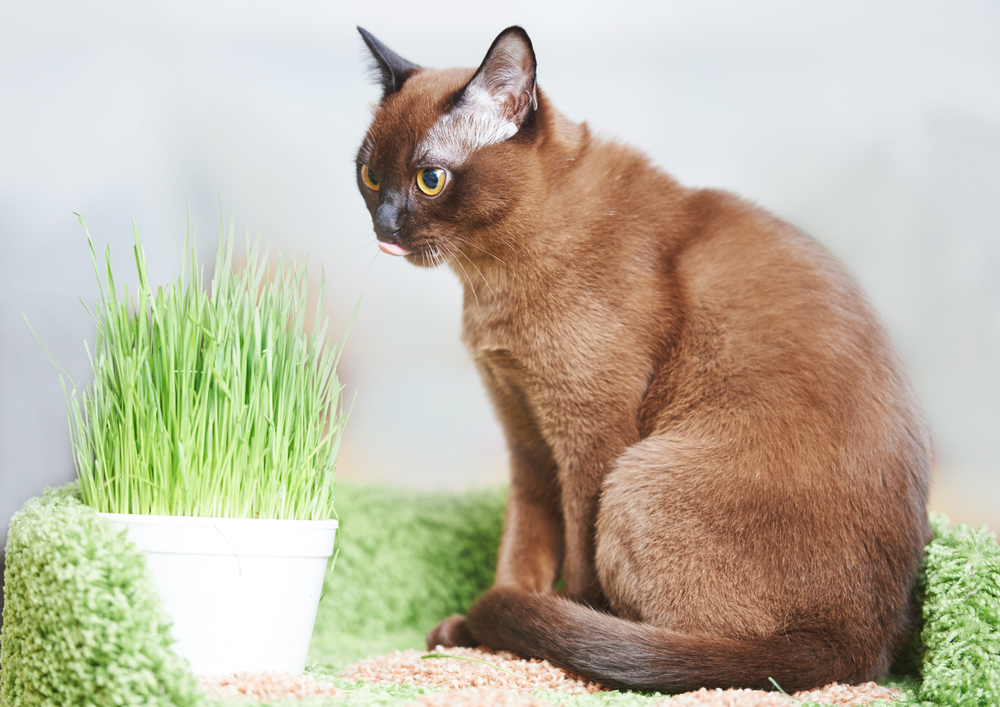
x=448, y=158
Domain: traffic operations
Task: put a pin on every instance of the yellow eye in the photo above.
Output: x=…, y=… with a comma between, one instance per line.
x=431, y=180
x=369, y=178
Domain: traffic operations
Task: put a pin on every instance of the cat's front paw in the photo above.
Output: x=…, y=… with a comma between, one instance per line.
x=453, y=631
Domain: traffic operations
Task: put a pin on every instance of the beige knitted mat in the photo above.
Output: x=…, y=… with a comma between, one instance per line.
x=482, y=678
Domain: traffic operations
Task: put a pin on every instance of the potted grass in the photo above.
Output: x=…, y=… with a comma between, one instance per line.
x=210, y=434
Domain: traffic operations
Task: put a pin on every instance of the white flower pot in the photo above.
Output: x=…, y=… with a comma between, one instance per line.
x=242, y=593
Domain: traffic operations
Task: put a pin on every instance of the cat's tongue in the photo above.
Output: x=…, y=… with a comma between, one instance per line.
x=393, y=248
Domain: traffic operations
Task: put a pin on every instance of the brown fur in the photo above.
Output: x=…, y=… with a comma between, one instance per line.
x=712, y=440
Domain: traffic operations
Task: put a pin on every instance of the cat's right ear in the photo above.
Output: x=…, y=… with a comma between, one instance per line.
x=391, y=69
x=504, y=84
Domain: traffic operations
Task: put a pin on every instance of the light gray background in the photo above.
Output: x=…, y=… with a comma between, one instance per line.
x=875, y=126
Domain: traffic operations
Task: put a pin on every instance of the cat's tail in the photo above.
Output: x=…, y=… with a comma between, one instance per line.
x=627, y=655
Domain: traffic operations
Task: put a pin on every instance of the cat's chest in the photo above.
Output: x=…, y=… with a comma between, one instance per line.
x=530, y=337
x=554, y=347
x=559, y=375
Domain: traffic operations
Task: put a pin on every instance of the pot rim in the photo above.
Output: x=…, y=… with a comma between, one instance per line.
x=215, y=521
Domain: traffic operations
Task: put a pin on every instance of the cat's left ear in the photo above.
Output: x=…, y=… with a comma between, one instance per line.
x=391, y=68
x=505, y=81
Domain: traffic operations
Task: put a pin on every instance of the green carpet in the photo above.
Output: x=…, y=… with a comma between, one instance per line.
x=82, y=625
x=406, y=560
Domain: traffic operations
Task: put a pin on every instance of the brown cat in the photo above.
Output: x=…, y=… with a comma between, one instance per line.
x=712, y=440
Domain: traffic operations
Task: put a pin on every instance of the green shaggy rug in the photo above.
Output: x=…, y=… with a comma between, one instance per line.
x=82, y=621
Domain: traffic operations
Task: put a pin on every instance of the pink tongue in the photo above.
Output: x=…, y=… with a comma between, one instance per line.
x=393, y=249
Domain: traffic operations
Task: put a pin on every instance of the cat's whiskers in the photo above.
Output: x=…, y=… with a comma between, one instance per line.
x=440, y=257
x=502, y=240
x=370, y=263
x=364, y=244
x=464, y=271
x=455, y=249
x=492, y=255
x=479, y=271
x=463, y=241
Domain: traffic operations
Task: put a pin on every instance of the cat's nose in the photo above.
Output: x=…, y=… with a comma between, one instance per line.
x=388, y=220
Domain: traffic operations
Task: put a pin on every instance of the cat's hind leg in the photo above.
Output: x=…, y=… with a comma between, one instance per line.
x=682, y=539
x=716, y=577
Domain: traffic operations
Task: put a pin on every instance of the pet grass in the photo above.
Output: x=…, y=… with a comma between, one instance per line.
x=209, y=403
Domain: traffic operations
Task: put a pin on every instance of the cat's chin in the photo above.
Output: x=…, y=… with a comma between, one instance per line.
x=426, y=259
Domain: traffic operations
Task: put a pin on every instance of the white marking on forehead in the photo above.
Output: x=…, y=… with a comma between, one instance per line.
x=472, y=125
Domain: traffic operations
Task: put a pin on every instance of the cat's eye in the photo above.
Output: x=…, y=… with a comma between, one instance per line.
x=369, y=178
x=430, y=180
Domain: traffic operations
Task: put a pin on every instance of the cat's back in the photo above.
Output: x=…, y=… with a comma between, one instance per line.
x=747, y=310
x=778, y=337
x=713, y=266
x=766, y=285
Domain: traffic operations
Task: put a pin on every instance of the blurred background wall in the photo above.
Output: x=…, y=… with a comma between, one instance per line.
x=874, y=125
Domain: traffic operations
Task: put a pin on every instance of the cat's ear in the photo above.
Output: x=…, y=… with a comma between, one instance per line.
x=505, y=82
x=391, y=69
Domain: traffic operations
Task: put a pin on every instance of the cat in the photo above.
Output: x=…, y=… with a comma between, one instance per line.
x=713, y=443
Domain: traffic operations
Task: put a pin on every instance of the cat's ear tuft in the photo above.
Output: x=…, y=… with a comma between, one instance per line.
x=505, y=81
x=390, y=68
